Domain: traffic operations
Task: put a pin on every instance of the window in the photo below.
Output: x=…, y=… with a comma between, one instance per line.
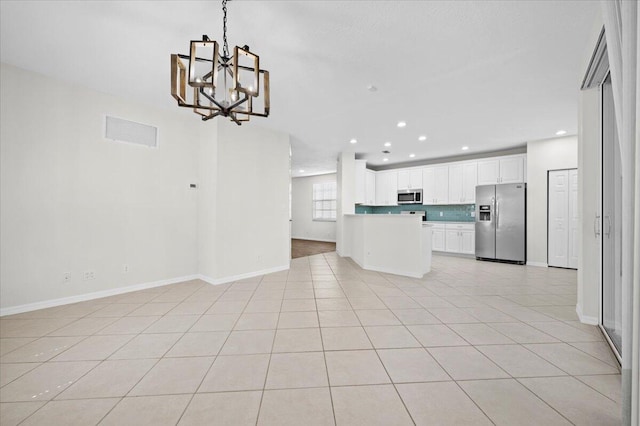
x=324, y=201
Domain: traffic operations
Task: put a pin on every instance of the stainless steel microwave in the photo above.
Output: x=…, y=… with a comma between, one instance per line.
x=410, y=196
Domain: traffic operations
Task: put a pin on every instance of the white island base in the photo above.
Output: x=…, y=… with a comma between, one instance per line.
x=392, y=243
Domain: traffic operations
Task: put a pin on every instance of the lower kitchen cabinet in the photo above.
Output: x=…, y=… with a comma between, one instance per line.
x=437, y=238
x=454, y=238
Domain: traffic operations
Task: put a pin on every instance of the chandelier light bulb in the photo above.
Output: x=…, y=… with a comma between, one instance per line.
x=422, y=138
x=402, y=124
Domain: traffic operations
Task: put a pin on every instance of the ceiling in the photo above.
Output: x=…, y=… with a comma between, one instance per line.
x=489, y=75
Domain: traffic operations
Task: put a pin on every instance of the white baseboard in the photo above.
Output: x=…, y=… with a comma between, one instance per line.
x=585, y=319
x=313, y=239
x=12, y=310
x=224, y=280
x=540, y=264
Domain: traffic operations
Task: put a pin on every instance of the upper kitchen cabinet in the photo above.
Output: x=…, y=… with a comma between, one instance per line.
x=410, y=179
x=387, y=188
x=462, y=183
x=361, y=172
x=370, y=187
x=501, y=170
x=435, y=185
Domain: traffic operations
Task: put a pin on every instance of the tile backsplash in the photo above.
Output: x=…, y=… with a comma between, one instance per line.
x=450, y=213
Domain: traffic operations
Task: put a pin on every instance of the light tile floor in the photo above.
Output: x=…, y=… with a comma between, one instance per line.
x=324, y=343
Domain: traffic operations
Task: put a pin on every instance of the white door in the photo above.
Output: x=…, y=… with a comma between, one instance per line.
x=488, y=172
x=512, y=170
x=455, y=184
x=469, y=181
x=558, y=217
x=573, y=250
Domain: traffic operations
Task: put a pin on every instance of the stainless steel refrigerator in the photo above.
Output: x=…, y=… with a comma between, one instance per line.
x=501, y=212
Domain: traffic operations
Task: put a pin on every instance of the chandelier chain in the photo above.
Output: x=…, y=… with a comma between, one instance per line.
x=225, y=50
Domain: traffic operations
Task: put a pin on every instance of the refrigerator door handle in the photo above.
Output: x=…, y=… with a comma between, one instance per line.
x=497, y=214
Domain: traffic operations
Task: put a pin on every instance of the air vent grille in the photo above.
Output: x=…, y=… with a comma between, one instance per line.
x=121, y=130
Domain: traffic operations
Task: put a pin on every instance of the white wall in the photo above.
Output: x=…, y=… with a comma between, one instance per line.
x=302, y=225
x=542, y=156
x=252, y=200
x=71, y=201
x=346, y=181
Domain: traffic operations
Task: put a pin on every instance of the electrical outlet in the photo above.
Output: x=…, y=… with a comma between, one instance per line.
x=125, y=269
x=89, y=275
x=66, y=277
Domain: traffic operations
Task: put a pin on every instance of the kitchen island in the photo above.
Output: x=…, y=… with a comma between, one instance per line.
x=392, y=243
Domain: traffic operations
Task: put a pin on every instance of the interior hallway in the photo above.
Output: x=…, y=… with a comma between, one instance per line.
x=325, y=342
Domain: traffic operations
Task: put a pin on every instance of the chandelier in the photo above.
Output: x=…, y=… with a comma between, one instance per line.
x=215, y=84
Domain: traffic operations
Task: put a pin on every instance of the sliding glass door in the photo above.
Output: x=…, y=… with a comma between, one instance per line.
x=611, y=222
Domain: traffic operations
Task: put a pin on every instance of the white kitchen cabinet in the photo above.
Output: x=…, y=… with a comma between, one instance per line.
x=469, y=182
x=370, y=187
x=361, y=172
x=452, y=243
x=387, y=188
x=462, y=183
x=410, y=179
x=435, y=181
x=437, y=238
x=488, y=172
x=468, y=242
x=460, y=238
x=501, y=170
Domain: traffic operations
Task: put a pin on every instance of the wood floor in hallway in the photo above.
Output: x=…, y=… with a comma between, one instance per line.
x=302, y=248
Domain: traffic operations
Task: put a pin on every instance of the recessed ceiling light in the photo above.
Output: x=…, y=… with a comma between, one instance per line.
x=464, y=148
x=301, y=171
x=387, y=144
x=411, y=155
x=422, y=138
x=372, y=88
x=402, y=124
x=353, y=141
x=385, y=159
x=561, y=132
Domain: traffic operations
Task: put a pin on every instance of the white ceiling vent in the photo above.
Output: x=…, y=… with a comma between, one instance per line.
x=121, y=130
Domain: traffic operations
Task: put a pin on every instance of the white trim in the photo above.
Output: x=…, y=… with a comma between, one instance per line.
x=224, y=280
x=314, y=239
x=540, y=264
x=12, y=310
x=585, y=319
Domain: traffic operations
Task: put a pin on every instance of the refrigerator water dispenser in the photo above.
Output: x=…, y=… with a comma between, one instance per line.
x=484, y=213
